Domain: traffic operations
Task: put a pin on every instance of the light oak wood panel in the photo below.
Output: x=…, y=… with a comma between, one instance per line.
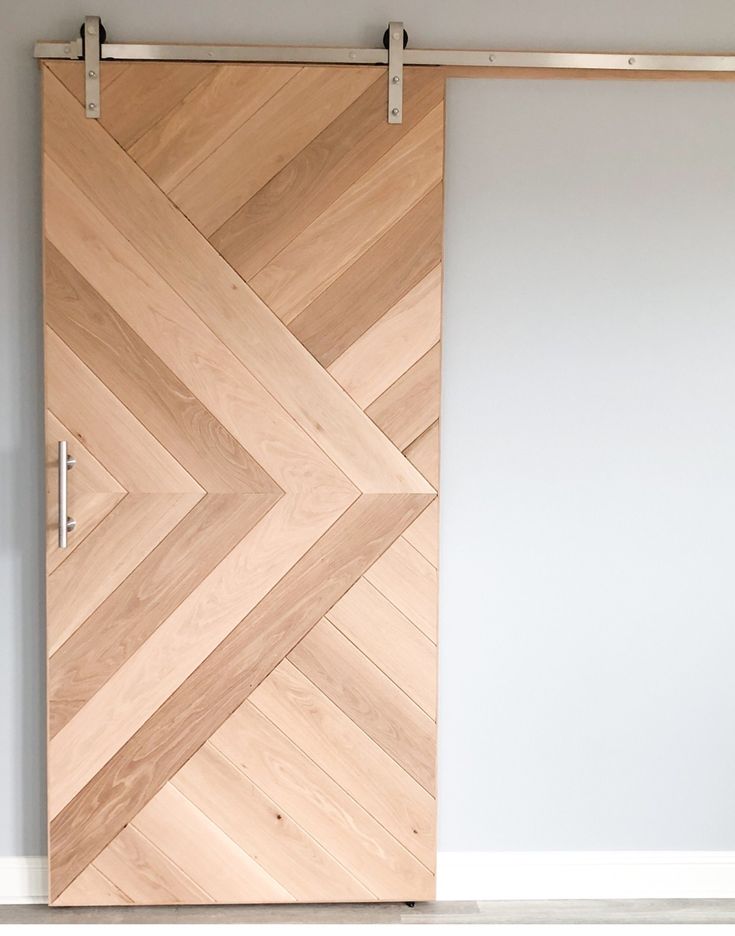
x=373, y=283
x=107, y=556
x=423, y=534
x=93, y=888
x=203, y=120
x=168, y=575
x=222, y=682
x=196, y=628
x=182, y=341
x=122, y=444
x=393, y=643
x=71, y=74
x=307, y=103
x=93, y=492
x=322, y=171
x=360, y=766
x=424, y=454
x=409, y=582
x=304, y=268
x=139, y=869
x=141, y=381
x=411, y=404
x=225, y=303
x=320, y=806
x=257, y=823
x=393, y=344
x=217, y=399
x=138, y=98
x=209, y=857
x=370, y=699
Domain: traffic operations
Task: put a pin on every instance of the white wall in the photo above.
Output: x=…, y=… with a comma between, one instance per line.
x=478, y=746
x=588, y=511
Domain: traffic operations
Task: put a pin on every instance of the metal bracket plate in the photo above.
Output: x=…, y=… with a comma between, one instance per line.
x=92, y=66
x=395, y=73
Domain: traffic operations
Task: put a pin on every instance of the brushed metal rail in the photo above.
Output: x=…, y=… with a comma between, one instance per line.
x=350, y=55
x=66, y=523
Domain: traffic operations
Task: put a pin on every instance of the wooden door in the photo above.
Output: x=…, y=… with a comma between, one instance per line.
x=242, y=317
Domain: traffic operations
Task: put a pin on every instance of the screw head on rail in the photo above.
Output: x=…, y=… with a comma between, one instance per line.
x=491, y=58
x=92, y=106
x=92, y=74
x=91, y=30
x=631, y=60
x=395, y=112
x=395, y=79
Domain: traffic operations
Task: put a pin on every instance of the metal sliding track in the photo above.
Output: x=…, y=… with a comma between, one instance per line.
x=395, y=55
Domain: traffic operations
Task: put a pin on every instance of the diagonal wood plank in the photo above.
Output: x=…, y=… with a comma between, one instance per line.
x=257, y=823
x=321, y=172
x=209, y=857
x=71, y=74
x=409, y=582
x=292, y=117
x=147, y=597
x=377, y=280
x=225, y=679
x=360, y=766
x=320, y=806
x=107, y=556
x=411, y=404
x=137, y=868
x=203, y=120
x=370, y=699
x=183, y=342
x=219, y=297
x=138, y=98
x=123, y=445
x=92, y=888
x=393, y=643
x=140, y=380
x=393, y=344
x=424, y=454
x=349, y=226
x=423, y=534
x=94, y=492
x=207, y=615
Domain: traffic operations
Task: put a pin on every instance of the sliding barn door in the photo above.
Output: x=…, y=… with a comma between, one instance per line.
x=242, y=311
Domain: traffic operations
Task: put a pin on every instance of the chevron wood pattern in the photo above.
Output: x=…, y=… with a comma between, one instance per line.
x=242, y=314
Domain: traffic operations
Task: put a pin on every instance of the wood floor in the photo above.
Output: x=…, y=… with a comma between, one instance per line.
x=500, y=911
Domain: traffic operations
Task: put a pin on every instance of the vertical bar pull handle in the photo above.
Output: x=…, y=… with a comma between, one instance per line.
x=66, y=523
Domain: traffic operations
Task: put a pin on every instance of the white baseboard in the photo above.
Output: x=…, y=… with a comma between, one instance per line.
x=509, y=876
x=23, y=879
x=584, y=875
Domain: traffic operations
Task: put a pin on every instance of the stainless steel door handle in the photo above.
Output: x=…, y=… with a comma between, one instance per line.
x=66, y=523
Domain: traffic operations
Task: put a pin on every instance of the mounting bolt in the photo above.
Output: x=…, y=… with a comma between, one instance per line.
x=631, y=60
x=396, y=35
x=491, y=58
x=395, y=112
x=92, y=74
x=91, y=30
x=395, y=79
x=92, y=105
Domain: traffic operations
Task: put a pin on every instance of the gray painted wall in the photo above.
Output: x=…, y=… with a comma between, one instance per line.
x=583, y=685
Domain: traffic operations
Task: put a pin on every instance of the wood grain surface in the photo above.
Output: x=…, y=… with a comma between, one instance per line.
x=242, y=319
